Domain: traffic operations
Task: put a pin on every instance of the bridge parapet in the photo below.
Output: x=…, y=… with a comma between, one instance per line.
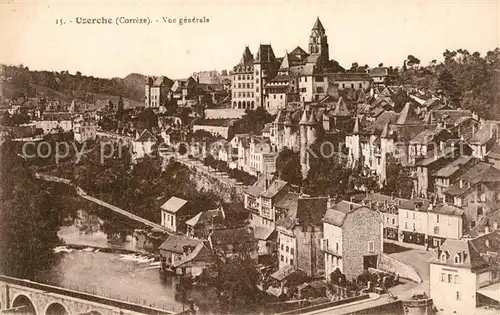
x=15, y=293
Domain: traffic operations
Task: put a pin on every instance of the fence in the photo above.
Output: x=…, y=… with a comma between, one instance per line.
x=132, y=305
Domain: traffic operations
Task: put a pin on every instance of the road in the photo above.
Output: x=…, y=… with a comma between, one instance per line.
x=373, y=301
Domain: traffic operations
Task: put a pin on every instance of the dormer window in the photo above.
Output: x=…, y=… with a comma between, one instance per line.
x=458, y=259
x=443, y=257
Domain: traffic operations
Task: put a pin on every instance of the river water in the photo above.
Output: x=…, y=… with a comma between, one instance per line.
x=129, y=277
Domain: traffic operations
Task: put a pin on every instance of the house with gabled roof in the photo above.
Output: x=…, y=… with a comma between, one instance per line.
x=144, y=144
x=157, y=91
x=465, y=275
x=173, y=213
x=477, y=191
x=352, y=239
x=300, y=230
x=204, y=222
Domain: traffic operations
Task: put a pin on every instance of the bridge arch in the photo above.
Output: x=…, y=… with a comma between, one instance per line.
x=56, y=308
x=22, y=300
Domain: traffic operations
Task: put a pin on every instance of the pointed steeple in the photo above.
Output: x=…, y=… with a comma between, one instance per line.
x=318, y=25
x=385, y=131
x=247, y=57
x=312, y=119
x=285, y=64
x=341, y=109
x=304, y=119
x=408, y=116
x=288, y=119
x=355, y=130
x=278, y=117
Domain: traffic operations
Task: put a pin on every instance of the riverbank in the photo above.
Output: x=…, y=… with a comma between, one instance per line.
x=72, y=236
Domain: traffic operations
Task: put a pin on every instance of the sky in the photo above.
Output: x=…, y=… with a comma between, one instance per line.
x=367, y=32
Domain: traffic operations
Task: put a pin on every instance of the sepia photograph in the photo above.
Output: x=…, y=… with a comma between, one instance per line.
x=250, y=157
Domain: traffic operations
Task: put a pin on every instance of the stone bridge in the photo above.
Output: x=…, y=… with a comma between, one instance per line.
x=19, y=296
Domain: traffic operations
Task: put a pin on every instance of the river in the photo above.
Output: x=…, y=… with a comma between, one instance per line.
x=129, y=277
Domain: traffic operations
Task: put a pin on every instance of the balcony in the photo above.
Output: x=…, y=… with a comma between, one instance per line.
x=331, y=251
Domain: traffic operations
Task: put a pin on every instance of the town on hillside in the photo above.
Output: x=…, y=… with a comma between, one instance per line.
x=281, y=185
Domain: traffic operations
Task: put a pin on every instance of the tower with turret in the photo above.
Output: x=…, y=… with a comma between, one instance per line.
x=318, y=42
x=308, y=126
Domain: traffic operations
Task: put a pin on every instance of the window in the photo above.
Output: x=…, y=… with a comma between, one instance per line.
x=319, y=90
x=479, y=210
x=291, y=262
x=406, y=213
x=318, y=79
x=443, y=277
x=371, y=246
x=472, y=224
x=352, y=85
x=305, y=79
x=282, y=258
x=450, y=278
x=437, y=218
x=406, y=225
x=360, y=85
x=257, y=80
x=343, y=85
x=282, y=246
x=436, y=230
x=393, y=221
x=239, y=77
x=414, y=215
x=337, y=246
x=443, y=257
x=287, y=249
x=292, y=251
x=281, y=97
x=457, y=279
x=256, y=72
x=414, y=227
x=303, y=90
x=458, y=295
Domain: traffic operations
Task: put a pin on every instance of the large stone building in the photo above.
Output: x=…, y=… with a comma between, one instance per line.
x=157, y=91
x=352, y=239
x=465, y=275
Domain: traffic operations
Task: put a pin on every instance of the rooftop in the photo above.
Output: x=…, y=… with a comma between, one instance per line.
x=173, y=204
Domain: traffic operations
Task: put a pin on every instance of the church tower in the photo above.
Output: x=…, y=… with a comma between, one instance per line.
x=318, y=42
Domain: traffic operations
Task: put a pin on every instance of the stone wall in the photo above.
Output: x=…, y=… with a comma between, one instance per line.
x=208, y=182
x=387, y=263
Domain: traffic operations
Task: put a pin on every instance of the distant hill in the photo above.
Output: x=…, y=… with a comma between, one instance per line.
x=18, y=81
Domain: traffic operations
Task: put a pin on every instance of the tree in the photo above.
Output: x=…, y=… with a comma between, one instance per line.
x=182, y=149
x=119, y=109
x=448, y=86
x=398, y=180
x=412, y=61
x=30, y=217
x=327, y=176
x=288, y=166
x=148, y=119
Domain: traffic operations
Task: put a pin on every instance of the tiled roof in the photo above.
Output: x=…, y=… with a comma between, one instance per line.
x=263, y=233
x=146, y=136
x=231, y=236
x=173, y=204
x=349, y=76
x=259, y=186
x=341, y=109
x=481, y=172
x=494, y=152
x=449, y=115
x=379, y=71
x=336, y=214
x=436, y=155
x=447, y=209
x=408, y=116
x=205, y=217
x=432, y=102
x=415, y=204
x=473, y=252
x=175, y=243
x=274, y=188
x=318, y=25
x=483, y=135
x=265, y=54
x=200, y=253
x=57, y=116
x=453, y=167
